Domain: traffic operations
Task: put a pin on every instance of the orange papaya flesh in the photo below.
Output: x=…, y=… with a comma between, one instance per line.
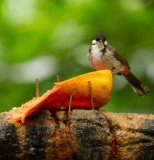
x=78, y=87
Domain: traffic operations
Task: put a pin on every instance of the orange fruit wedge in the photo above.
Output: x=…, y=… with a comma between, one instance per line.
x=77, y=87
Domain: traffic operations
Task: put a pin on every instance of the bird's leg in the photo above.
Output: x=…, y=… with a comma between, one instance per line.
x=116, y=70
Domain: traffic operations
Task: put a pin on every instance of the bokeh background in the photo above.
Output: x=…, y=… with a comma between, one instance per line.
x=43, y=38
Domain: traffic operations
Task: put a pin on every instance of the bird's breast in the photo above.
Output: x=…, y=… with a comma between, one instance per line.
x=98, y=60
x=102, y=61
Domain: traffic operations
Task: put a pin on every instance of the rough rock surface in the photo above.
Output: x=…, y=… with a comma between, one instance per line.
x=81, y=134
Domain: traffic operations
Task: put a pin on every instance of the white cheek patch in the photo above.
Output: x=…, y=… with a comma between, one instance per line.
x=105, y=43
x=94, y=42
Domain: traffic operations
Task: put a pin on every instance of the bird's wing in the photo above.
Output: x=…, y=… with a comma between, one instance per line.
x=119, y=57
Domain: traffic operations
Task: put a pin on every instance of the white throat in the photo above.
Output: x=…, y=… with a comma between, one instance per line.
x=96, y=51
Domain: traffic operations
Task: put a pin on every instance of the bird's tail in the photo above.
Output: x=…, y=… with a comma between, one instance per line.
x=136, y=84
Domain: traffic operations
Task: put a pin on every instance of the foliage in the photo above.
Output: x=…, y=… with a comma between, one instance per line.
x=43, y=38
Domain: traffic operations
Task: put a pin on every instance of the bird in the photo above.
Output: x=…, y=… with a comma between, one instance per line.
x=102, y=56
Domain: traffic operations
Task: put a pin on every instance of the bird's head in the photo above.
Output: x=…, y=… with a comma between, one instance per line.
x=100, y=40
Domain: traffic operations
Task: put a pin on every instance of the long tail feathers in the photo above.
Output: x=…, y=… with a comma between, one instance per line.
x=136, y=84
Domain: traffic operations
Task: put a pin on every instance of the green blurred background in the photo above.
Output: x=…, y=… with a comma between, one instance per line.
x=43, y=38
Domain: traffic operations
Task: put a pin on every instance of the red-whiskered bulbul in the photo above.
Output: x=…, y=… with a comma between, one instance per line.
x=103, y=56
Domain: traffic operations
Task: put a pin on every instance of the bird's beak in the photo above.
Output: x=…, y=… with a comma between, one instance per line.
x=100, y=44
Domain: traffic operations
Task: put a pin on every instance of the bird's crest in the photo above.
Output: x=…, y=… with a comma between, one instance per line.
x=100, y=36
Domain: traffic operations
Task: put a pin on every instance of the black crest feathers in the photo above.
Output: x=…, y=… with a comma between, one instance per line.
x=100, y=36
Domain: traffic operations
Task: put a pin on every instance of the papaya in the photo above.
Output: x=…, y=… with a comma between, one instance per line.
x=78, y=88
